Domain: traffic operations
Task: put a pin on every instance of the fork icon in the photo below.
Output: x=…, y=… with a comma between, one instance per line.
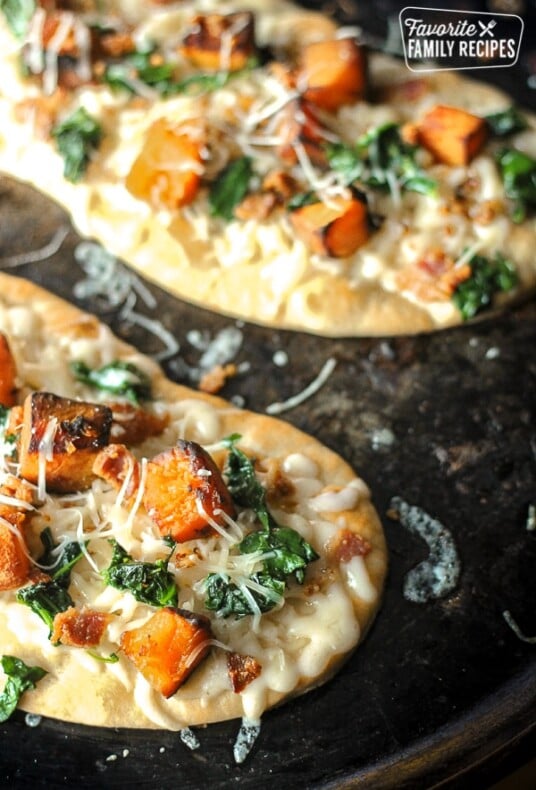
x=487, y=28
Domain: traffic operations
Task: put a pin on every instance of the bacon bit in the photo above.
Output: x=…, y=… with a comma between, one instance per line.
x=348, y=544
x=281, y=183
x=15, y=421
x=242, y=670
x=434, y=277
x=300, y=124
x=410, y=133
x=52, y=22
x=319, y=581
x=278, y=486
x=485, y=212
x=14, y=562
x=116, y=45
x=132, y=424
x=258, y=206
x=42, y=111
x=8, y=374
x=215, y=379
x=407, y=91
x=115, y=463
x=79, y=627
x=284, y=74
x=185, y=558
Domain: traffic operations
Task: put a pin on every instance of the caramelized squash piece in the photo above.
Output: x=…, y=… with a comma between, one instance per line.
x=79, y=627
x=167, y=171
x=184, y=491
x=116, y=464
x=8, y=374
x=168, y=647
x=452, y=135
x=223, y=42
x=333, y=73
x=337, y=228
x=14, y=561
x=63, y=436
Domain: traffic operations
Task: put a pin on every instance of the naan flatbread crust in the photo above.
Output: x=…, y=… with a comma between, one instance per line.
x=257, y=269
x=299, y=646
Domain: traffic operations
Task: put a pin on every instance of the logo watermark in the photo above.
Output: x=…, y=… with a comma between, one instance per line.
x=436, y=39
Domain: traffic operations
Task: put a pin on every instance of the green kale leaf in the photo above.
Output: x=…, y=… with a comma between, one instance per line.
x=284, y=552
x=506, y=122
x=149, y=582
x=381, y=159
x=77, y=137
x=140, y=67
x=226, y=597
x=18, y=14
x=118, y=377
x=230, y=187
x=46, y=599
x=518, y=173
x=488, y=277
x=57, y=562
x=20, y=678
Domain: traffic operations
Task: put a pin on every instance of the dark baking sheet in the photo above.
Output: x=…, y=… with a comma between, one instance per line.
x=441, y=693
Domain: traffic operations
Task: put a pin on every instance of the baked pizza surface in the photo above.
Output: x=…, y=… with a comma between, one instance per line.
x=166, y=558
x=253, y=159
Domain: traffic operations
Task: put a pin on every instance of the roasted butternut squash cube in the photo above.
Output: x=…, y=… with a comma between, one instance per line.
x=336, y=228
x=220, y=42
x=167, y=171
x=168, y=647
x=60, y=438
x=333, y=73
x=8, y=374
x=185, y=491
x=14, y=562
x=452, y=135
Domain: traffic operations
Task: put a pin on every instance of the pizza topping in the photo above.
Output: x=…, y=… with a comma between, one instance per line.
x=242, y=670
x=119, y=467
x=332, y=73
x=487, y=277
x=8, y=374
x=46, y=599
x=77, y=138
x=348, y=544
x=167, y=171
x=185, y=494
x=452, y=135
x=229, y=189
x=168, y=647
x=336, y=228
x=506, y=122
x=118, y=377
x=218, y=42
x=149, y=582
x=60, y=439
x=79, y=627
x=18, y=14
x=58, y=559
x=20, y=678
x=382, y=159
x=14, y=557
x=518, y=173
x=278, y=553
x=132, y=425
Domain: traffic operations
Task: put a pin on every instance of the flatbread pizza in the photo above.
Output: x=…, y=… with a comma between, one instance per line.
x=256, y=160
x=166, y=558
